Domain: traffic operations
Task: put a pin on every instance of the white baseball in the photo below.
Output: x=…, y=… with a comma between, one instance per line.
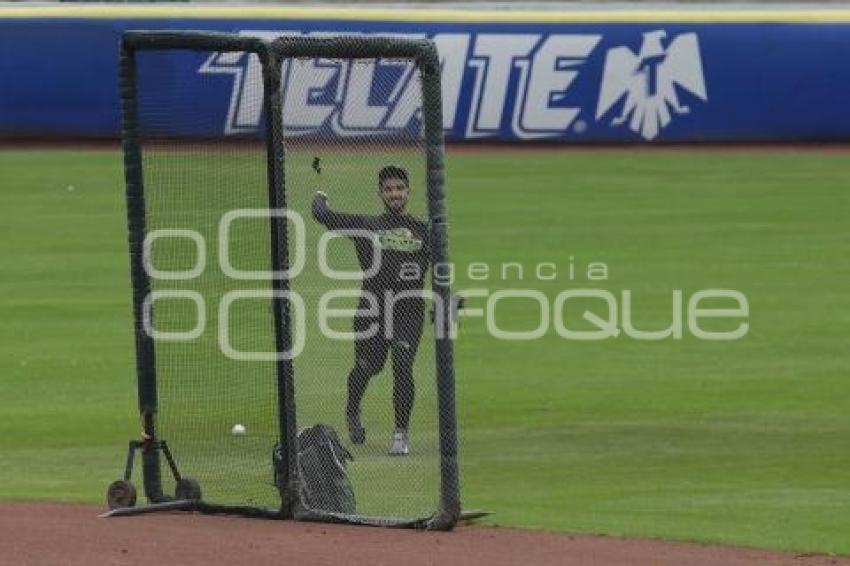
x=238, y=430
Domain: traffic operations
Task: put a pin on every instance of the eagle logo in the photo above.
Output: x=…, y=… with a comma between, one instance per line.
x=649, y=80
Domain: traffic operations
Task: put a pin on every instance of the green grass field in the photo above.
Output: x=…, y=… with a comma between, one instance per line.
x=744, y=442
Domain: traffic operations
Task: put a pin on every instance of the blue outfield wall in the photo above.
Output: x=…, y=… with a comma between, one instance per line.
x=583, y=81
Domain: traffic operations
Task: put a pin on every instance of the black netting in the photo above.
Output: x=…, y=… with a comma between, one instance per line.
x=190, y=183
x=382, y=382
x=355, y=180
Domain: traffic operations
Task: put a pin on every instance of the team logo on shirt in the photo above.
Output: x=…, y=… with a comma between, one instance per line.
x=400, y=240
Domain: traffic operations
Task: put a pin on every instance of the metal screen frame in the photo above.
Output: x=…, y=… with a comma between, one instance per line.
x=423, y=54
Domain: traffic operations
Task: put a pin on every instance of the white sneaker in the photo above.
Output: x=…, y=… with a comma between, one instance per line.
x=399, y=446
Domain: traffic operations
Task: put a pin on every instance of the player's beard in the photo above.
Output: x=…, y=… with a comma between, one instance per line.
x=396, y=206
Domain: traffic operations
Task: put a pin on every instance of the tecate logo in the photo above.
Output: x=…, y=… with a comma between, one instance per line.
x=647, y=80
x=489, y=80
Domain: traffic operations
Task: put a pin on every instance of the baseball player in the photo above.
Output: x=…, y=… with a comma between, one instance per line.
x=395, y=285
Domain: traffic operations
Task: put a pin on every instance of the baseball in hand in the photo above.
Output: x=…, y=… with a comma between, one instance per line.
x=238, y=430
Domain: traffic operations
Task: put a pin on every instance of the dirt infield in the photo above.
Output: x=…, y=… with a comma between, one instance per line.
x=52, y=533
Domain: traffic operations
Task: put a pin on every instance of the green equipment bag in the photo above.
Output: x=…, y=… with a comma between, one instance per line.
x=322, y=461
